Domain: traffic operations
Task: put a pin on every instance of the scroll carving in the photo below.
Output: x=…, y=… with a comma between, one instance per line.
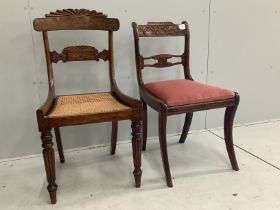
x=162, y=61
x=75, y=12
x=79, y=53
x=161, y=29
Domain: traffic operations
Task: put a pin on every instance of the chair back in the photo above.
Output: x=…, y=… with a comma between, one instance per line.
x=77, y=19
x=161, y=29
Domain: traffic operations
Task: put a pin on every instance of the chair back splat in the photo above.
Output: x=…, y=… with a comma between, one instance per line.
x=77, y=19
x=161, y=29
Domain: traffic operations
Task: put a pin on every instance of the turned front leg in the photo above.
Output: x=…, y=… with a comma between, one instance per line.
x=137, y=148
x=48, y=154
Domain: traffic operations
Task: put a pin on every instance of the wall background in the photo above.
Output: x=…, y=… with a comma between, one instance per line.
x=234, y=44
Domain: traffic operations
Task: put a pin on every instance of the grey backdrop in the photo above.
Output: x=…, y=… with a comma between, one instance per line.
x=234, y=44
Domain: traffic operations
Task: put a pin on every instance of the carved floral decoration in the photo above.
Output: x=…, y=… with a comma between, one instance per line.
x=79, y=53
x=75, y=12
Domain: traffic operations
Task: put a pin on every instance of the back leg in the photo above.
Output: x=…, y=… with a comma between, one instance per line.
x=145, y=126
x=59, y=144
x=114, y=137
x=228, y=124
x=186, y=128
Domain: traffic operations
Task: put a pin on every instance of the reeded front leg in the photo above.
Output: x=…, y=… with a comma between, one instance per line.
x=163, y=147
x=114, y=137
x=136, y=149
x=59, y=144
x=228, y=124
x=145, y=125
x=186, y=128
x=48, y=154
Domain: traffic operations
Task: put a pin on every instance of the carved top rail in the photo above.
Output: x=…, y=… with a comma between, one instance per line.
x=162, y=61
x=76, y=19
x=79, y=53
x=75, y=12
x=157, y=29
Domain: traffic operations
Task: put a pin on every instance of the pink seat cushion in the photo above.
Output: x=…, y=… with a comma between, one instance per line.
x=182, y=92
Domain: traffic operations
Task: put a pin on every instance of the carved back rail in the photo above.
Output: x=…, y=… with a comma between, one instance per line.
x=76, y=19
x=159, y=29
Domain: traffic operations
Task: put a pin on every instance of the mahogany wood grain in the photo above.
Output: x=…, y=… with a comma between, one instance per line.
x=76, y=23
x=164, y=29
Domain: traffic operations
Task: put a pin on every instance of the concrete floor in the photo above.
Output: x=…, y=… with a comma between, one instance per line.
x=203, y=179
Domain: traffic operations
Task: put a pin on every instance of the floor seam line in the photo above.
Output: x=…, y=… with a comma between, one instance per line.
x=249, y=124
x=250, y=153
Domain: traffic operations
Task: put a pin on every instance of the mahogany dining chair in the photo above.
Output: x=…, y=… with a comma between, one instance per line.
x=172, y=97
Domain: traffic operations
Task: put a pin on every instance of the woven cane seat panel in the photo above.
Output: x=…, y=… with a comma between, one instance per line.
x=73, y=105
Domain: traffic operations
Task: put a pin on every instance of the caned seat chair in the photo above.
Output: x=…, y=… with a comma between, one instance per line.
x=79, y=109
x=171, y=97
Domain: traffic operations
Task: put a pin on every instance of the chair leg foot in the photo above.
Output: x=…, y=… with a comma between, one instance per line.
x=163, y=147
x=228, y=125
x=136, y=149
x=59, y=144
x=114, y=137
x=145, y=126
x=49, y=160
x=186, y=128
x=52, y=191
x=137, y=176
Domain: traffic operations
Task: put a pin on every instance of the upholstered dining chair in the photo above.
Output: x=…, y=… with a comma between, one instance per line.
x=78, y=109
x=173, y=97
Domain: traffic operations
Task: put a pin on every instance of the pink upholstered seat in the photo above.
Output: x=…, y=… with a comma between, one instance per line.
x=182, y=92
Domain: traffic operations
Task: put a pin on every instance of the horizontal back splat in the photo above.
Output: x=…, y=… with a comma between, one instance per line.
x=79, y=53
x=162, y=61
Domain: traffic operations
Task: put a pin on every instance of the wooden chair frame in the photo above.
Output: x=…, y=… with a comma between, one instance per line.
x=165, y=29
x=82, y=19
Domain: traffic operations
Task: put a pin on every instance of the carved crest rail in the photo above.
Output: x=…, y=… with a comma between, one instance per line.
x=75, y=12
x=155, y=29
